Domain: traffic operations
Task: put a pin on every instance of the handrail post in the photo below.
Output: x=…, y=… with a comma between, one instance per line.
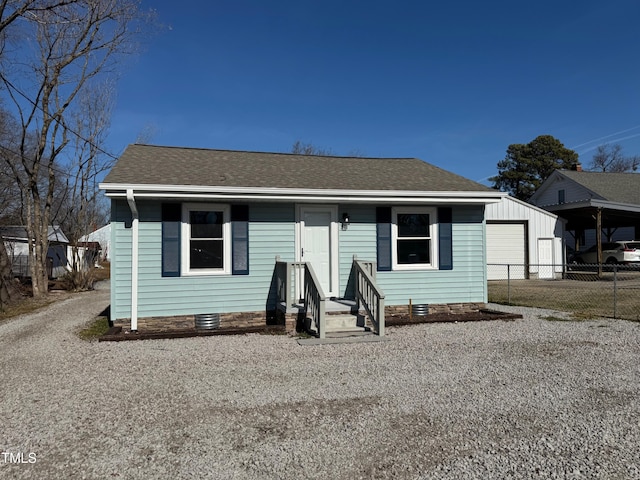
x=381, y=316
x=321, y=323
x=368, y=294
x=288, y=294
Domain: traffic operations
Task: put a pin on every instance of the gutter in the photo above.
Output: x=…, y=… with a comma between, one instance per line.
x=134, y=259
x=302, y=195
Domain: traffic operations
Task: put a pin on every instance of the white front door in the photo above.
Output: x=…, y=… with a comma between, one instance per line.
x=545, y=258
x=318, y=244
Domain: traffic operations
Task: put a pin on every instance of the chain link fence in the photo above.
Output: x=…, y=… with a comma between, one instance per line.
x=20, y=266
x=587, y=291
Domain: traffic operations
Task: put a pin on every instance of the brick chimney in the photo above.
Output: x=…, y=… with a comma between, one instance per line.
x=577, y=167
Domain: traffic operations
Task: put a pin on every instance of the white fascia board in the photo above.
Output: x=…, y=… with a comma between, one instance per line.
x=627, y=207
x=299, y=195
x=595, y=203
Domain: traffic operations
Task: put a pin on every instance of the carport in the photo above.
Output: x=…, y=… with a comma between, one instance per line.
x=592, y=200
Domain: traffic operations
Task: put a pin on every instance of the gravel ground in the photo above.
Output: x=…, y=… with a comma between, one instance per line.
x=529, y=398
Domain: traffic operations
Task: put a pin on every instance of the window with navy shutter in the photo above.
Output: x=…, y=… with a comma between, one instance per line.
x=445, y=238
x=383, y=238
x=240, y=240
x=414, y=238
x=171, y=219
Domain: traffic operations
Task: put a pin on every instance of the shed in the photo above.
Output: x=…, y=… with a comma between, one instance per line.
x=103, y=237
x=525, y=237
x=17, y=245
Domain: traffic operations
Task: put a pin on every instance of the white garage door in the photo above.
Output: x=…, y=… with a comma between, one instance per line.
x=505, y=245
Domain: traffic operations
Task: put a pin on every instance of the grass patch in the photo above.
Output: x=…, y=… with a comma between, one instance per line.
x=96, y=328
x=102, y=272
x=584, y=300
x=24, y=306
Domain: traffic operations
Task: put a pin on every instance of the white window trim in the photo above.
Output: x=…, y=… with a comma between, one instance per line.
x=433, y=232
x=186, y=239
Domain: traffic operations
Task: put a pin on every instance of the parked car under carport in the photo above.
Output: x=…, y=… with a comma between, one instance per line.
x=625, y=252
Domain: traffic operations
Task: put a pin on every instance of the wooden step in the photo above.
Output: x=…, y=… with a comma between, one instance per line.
x=341, y=322
x=344, y=325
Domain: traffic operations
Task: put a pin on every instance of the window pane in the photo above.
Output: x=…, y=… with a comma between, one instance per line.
x=206, y=254
x=205, y=224
x=414, y=251
x=413, y=225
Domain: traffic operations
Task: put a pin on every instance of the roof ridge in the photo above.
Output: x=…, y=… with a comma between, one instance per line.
x=592, y=172
x=290, y=154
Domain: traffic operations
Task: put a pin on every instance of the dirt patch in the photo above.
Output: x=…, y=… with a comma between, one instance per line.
x=118, y=334
x=479, y=316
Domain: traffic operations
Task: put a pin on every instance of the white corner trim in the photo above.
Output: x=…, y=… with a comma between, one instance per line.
x=134, y=258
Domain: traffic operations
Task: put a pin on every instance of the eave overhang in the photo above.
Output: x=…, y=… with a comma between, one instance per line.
x=299, y=195
x=594, y=203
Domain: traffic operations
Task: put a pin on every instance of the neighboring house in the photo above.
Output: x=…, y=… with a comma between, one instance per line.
x=103, y=237
x=213, y=231
x=16, y=242
x=525, y=237
x=588, y=200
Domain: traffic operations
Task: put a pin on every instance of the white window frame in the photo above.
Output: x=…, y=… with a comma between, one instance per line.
x=185, y=259
x=433, y=237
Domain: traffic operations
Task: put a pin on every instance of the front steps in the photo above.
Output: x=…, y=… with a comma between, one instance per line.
x=342, y=321
x=343, y=325
x=341, y=329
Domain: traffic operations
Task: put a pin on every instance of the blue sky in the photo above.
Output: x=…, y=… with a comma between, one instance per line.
x=453, y=84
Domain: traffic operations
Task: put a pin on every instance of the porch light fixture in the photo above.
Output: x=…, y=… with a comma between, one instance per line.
x=345, y=221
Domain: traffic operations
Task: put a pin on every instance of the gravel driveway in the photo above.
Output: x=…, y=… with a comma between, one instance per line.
x=529, y=398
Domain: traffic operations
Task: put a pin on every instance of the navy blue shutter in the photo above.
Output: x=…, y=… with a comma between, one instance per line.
x=445, y=238
x=171, y=221
x=383, y=238
x=240, y=239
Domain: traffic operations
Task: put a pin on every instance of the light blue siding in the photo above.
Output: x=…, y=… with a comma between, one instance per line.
x=465, y=283
x=272, y=233
x=359, y=239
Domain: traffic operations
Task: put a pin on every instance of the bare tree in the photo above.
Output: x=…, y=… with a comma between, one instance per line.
x=12, y=10
x=610, y=158
x=9, y=191
x=147, y=134
x=8, y=291
x=302, y=148
x=9, y=205
x=76, y=44
x=80, y=207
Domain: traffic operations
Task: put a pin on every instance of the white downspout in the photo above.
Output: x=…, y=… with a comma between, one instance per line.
x=134, y=260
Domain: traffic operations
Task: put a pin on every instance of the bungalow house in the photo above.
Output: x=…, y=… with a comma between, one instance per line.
x=247, y=235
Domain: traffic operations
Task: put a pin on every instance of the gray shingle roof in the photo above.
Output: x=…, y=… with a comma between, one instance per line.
x=55, y=234
x=613, y=187
x=156, y=165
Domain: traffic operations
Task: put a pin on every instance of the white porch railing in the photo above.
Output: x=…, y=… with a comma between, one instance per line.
x=314, y=301
x=289, y=281
x=295, y=280
x=368, y=294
